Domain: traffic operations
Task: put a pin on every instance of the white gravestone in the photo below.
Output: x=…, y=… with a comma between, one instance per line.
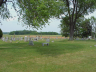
x=25, y=39
x=6, y=39
x=3, y=39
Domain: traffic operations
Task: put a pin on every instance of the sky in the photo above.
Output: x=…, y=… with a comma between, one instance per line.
x=12, y=24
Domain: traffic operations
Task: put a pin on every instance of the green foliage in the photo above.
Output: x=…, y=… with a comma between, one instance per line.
x=36, y=13
x=86, y=28
x=83, y=27
x=25, y=32
x=4, y=12
x=64, y=27
x=93, y=23
x=74, y=9
x=1, y=33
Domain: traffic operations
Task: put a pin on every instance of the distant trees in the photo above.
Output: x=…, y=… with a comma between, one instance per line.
x=25, y=32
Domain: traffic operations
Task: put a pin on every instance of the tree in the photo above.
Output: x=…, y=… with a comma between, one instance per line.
x=83, y=27
x=86, y=28
x=74, y=9
x=1, y=33
x=93, y=23
x=2, y=1
x=36, y=13
x=4, y=11
x=64, y=26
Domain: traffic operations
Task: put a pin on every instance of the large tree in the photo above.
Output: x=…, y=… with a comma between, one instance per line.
x=74, y=9
x=83, y=27
x=36, y=13
x=4, y=11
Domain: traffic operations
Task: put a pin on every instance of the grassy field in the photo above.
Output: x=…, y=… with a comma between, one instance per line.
x=60, y=56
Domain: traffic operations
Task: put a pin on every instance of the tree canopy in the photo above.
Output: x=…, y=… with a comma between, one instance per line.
x=74, y=9
x=36, y=13
x=4, y=11
x=83, y=27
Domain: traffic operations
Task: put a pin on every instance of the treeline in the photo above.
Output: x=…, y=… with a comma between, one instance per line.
x=29, y=32
x=5, y=32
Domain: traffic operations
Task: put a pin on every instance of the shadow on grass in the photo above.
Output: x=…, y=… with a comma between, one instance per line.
x=53, y=49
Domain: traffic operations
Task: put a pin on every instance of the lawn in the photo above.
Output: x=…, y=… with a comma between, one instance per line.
x=59, y=56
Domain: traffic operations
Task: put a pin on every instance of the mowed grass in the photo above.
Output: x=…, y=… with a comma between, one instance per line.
x=60, y=56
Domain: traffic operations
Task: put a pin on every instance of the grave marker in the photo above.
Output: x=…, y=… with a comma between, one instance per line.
x=31, y=42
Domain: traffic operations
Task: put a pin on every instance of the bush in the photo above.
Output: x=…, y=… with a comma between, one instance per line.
x=1, y=34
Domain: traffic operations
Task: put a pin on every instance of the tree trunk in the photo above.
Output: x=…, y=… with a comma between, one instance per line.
x=94, y=35
x=71, y=32
x=1, y=1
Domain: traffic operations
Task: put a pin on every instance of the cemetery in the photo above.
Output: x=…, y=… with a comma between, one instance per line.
x=46, y=54
x=70, y=47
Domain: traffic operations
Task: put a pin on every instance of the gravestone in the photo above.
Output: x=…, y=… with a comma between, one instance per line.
x=28, y=38
x=25, y=38
x=31, y=42
x=56, y=37
x=37, y=37
x=17, y=38
x=41, y=37
x=14, y=39
x=11, y=38
x=77, y=38
x=95, y=39
x=31, y=38
x=6, y=39
x=82, y=38
x=3, y=39
x=21, y=38
x=52, y=41
x=47, y=40
x=89, y=37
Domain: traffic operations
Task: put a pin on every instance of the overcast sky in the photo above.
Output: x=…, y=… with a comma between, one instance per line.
x=12, y=24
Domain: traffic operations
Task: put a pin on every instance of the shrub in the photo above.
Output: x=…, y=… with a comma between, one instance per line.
x=1, y=34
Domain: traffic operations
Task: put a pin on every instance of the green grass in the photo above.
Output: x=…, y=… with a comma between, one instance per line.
x=60, y=56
